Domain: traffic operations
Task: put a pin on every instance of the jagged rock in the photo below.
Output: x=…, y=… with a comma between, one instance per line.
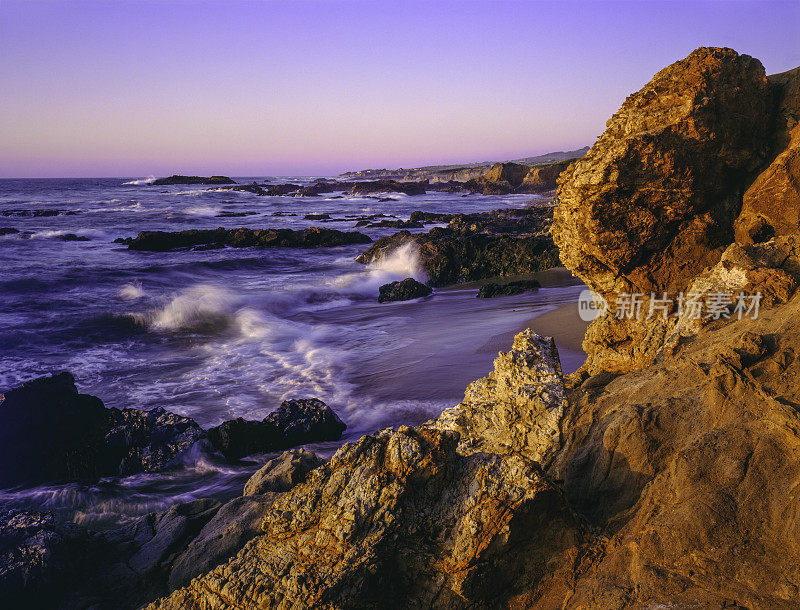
x=315, y=237
x=256, y=189
x=178, y=179
x=389, y=186
x=404, y=290
x=295, y=422
x=478, y=246
x=237, y=438
x=651, y=204
x=491, y=290
x=400, y=516
x=148, y=441
x=543, y=177
x=50, y=432
x=283, y=472
x=307, y=420
x=500, y=179
x=518, y=408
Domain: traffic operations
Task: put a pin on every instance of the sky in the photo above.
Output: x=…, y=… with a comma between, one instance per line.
x=124, y=88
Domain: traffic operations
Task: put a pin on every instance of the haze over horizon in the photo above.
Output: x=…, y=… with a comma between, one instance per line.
x=317, y=88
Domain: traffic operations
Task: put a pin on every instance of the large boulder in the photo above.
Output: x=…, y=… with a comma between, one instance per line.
x=283, y=472
x=50, y=432
x=652, y=203
x=404, y=290
x=295, y=422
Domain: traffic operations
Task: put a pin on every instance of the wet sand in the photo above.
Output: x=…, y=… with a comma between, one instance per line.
x=563, y=324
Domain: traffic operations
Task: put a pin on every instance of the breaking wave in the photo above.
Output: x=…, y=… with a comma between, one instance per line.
x=148, y=180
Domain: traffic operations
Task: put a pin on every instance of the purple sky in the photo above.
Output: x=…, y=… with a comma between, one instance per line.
x=258, y=88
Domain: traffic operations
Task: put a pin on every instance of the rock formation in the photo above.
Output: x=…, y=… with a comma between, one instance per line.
x=652, y=205
x=492, y=290
x=404, y=290
x=178, y=179
x=315, y=237
x=478, y=246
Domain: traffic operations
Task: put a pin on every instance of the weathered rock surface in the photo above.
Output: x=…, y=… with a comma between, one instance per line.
x=478, y=246
x=179, y=179
x=400, y=516
x=543, y=177
x=500, y=179
x=491, y=290
x=404, y=290
x=283, y=472
x=518, y=408
x=314, y=237
x=651, y=203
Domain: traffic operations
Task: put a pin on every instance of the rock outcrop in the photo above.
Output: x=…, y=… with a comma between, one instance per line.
x=295, y=422
x=478, y=246
x=404, y=290
x=283, y=472
x=652, y=205
x=50, y=432
x=492, y=290
x=543, y=177
x=179, y=179
x=315, y=237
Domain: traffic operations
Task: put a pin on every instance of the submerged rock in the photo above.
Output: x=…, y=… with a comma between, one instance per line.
x=8, y=231
x=491, y=290
x=179, y=179
x=314, y=237
x=404, y=290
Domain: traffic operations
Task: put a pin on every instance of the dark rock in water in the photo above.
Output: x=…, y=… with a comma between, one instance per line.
x=426, y=217
x=389, y=186
x=179, y=179
x=37, y=213
x=235, y=214
x=147, y=441
x=394, y=224
x=278, y=190
x=295, y=422
x=489, y=291
x=237, y=438
x=314, y=237
x=283, y=472
x=306, y=420
x=72, y=237
x=317, y=217
x=50, y=432
x=245, y=188
x=8, y=231
x=478, y=246
x=405, y=290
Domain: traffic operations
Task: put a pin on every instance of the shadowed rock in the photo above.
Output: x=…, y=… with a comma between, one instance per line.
x=404, y=290
x=491, y=290
x=179, y=179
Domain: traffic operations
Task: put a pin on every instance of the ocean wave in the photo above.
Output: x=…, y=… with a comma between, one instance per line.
x=148, y=180
x=397, y=265
x=131, y=292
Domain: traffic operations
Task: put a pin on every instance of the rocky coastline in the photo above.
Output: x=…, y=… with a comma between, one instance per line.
x=659, y=475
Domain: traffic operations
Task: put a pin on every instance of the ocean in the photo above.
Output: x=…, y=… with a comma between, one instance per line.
x=226, y=333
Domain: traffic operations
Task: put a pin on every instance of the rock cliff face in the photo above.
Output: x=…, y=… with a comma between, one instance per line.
x=654, y=202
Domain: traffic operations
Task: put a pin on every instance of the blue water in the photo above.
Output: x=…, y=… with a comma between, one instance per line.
x=225, y=333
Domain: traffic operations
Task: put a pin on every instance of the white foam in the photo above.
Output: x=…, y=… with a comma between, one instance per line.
x=202, y=210
x=131, y=292
x=397, y=265
x=148, y=180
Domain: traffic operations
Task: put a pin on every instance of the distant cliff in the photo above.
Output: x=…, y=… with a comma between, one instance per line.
x=459, y=173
